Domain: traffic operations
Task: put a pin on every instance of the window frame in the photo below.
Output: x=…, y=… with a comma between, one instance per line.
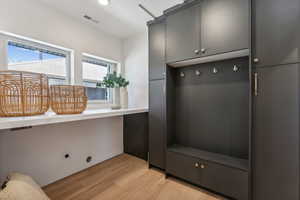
x=5, y=38
x=114, y=66
x=74, y=62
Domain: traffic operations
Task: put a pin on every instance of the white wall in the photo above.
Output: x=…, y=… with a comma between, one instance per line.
x=39, y=151
x=135, y=52
x=32, y=19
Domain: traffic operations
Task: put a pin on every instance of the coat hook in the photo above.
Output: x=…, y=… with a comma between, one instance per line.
x=235, y=68
x=197, y=72
x=182, y=74
x=215, y=70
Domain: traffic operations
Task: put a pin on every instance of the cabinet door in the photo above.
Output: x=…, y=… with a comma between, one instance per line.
x=157, y=124
x=184, y=167
x=183, y=34
x=225, y=180
x=276, y=134
x=157, y=64
x=224, y=26
x=276, y=32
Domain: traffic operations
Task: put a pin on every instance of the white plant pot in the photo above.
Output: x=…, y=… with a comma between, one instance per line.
x=124, y=98
x=116, y=98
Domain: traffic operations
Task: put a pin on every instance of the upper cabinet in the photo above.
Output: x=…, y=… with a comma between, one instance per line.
x=183, y=37
x=224, y=26
x=276, y=32
x=206, y=28
x=157, y=64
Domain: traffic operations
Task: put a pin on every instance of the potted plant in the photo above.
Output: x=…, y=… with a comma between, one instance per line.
x=115, y=82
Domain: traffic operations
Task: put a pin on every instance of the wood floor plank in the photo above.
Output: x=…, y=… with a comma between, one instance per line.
x=124, y=178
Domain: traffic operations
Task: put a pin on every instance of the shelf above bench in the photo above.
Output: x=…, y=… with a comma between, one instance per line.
x=52, y=118
x=211, y=157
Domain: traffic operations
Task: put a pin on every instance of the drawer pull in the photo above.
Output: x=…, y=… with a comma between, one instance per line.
x=197, y=165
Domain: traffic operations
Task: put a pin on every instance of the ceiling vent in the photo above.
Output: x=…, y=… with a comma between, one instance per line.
x=90, y=19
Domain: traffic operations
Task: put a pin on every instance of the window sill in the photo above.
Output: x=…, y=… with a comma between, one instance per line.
x=95, y=104
x=52, y=118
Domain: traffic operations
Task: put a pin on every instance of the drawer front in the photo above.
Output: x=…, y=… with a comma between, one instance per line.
x=228, y=181
x=225, y=180
x=183, y=167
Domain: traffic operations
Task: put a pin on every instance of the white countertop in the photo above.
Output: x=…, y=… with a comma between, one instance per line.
x=52, y=118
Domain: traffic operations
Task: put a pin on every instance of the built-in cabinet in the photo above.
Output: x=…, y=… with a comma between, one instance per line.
x=209, y=170
x=230, y=125
x=210, y=122
x=157, y=94
x=199, y=115
x=198, y=30
x=275, y=141
x=276, y=31
x=276, y=133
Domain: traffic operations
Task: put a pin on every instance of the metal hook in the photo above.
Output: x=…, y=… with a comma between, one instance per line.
x=197, y=72
x=235, y=68
x=182, y=75
x=215, y=70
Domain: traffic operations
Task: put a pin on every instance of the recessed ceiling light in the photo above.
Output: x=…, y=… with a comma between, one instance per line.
x=104, y=2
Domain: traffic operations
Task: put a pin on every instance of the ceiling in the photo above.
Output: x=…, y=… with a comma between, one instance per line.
x=121, y=18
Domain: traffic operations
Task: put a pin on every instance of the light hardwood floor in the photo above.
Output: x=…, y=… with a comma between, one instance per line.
x=124, y=178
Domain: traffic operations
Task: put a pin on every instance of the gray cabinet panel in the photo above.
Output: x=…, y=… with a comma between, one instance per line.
x=183, y=36
x=225, y=180
x=212, y=109
x=228, y=181
x=157, y=67
x=276, y=134
x=157, y=141
x=224, y=26
x=135, y=134
x=184, y=167
x=276, y=31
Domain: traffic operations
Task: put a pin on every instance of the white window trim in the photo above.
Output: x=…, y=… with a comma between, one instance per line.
x=6, y=37
x=96, y=103
x=109, y=101
x=100, y=58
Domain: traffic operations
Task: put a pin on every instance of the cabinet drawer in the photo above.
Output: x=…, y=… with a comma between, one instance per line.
x=222, y=179
x=183, y=167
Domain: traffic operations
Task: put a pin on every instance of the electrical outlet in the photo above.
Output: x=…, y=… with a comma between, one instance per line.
x=89, y=159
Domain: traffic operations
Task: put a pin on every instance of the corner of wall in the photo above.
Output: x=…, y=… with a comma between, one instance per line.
x=135, y=60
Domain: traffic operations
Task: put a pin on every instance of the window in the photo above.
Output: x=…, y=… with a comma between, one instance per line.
x=29, y=56
x=93, y=71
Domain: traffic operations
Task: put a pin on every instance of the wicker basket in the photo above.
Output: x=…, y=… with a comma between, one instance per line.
x=67, y=99
x=23, y=94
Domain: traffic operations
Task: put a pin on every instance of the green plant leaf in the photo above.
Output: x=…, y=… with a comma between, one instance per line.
x=113, y=80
